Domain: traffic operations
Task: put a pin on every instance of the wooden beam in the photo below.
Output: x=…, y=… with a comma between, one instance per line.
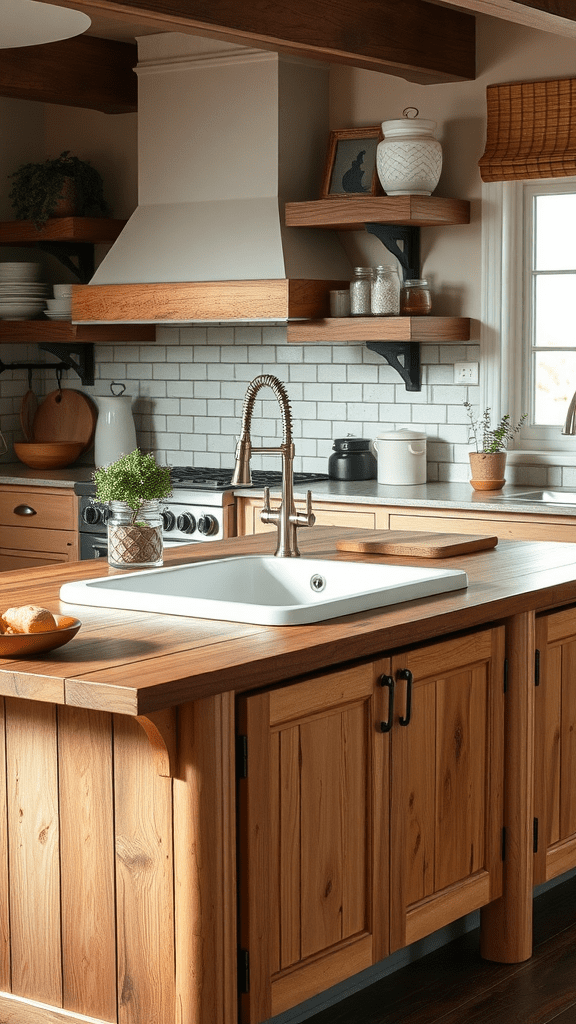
x=556, y=16
x=79, y=72
x=415, y=39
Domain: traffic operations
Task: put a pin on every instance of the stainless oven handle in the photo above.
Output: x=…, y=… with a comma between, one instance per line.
x=99, y=547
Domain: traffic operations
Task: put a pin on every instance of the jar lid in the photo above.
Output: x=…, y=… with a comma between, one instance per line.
x=416, y=282
x=402, y=435
x=407, y=125
x=363, y=270
x=351, y=444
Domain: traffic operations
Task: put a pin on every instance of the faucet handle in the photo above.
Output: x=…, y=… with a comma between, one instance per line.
x=306, y=518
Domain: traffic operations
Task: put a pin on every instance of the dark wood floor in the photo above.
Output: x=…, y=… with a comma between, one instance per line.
x=455, y=986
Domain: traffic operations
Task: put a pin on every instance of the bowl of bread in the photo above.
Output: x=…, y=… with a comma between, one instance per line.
x=29, y=628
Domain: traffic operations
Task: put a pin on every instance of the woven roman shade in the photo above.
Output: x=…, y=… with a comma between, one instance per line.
x=531, y=131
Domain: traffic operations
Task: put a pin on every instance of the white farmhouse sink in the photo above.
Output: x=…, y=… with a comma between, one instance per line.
x=264, y=589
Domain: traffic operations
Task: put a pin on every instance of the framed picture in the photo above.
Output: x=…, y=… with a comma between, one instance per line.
x=351, y=163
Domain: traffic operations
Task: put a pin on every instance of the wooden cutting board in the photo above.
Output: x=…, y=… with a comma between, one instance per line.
x=416, y=544
x=66, y=415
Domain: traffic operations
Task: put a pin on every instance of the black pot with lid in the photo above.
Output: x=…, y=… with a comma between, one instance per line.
x=352, y=459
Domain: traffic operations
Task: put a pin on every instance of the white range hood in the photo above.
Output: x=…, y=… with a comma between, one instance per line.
x=226, y=136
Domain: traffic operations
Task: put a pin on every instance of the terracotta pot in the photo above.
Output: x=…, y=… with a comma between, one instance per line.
x=67, y=205
x=487, y=470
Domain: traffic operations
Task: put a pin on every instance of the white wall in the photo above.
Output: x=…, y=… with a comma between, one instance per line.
x=188, y=388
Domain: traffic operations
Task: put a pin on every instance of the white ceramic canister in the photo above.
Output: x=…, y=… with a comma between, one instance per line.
x=401, y=457
x=115, y=433
x=409, y=159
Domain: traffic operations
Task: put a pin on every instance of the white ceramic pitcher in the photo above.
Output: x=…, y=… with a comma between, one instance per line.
x=115, y=431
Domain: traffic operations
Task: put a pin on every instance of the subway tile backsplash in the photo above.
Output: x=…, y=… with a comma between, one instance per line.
x=189, y=387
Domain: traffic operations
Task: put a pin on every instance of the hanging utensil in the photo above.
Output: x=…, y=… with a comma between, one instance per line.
x=28, y=407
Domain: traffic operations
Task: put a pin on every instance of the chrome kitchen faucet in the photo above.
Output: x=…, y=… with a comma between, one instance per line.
x=286, y=518
x=570, y=423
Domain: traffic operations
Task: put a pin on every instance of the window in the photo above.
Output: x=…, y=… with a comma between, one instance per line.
x=531, y=229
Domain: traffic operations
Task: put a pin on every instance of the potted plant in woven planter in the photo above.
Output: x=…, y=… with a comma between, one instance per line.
x=133, y=487
x=488, y=461
x=63, y=187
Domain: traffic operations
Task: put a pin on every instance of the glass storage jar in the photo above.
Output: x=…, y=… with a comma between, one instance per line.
x=415, y=298
x=360, y=291
x=135, y=539
x=385, y=292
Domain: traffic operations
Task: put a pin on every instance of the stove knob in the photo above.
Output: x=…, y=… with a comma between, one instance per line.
x=168, y=520
x=91, y=515
x=186, y=522
x=208, y=525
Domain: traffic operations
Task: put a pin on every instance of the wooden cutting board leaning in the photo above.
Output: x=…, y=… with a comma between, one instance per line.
x=65, y=415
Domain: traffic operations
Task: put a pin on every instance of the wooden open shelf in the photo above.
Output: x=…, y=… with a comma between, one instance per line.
x=381, y=328
x=353, y=214
x=83, y=232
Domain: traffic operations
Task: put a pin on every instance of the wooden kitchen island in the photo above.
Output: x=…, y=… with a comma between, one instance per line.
x=195, y=808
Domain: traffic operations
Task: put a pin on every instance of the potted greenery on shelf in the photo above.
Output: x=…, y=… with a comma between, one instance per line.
x=64, y=187
x=133, y=487
x=488, y=461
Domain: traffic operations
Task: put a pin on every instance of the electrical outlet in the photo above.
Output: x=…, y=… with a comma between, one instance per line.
x=465, y=373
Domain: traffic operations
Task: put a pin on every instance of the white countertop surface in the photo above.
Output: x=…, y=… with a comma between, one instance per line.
x=368, y=492
x=429, y=495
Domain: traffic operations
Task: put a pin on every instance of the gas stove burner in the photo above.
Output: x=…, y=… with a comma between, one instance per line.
x=221, y=479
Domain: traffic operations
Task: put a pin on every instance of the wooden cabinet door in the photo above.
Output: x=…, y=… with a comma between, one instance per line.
x=362, y=517
x=38, y=526
x=555, y=745
x=313, y=846
x=447, y=775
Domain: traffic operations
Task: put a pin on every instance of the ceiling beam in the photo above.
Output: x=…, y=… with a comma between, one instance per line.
x=413, y=39
x=79, y=72
x=556, y=16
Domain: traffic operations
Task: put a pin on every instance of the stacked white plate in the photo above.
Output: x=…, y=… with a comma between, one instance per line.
x=60, y=307
x=22, y=296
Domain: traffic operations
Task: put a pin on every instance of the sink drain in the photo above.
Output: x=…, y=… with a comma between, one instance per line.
x=317, y=583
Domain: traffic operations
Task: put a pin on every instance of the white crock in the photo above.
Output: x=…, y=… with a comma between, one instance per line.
x=401, y=457
x=409, y=158
x=115, y=433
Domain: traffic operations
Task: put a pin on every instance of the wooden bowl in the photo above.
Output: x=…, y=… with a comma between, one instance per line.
x=48, y=455
x=23, y=645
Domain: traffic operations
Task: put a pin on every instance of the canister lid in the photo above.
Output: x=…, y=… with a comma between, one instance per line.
x=402, y=435
x=351, y=444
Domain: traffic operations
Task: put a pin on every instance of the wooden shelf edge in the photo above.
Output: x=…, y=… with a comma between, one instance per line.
x=439, y=329
x=61, y=229
x=25, y=332
x=353, y=213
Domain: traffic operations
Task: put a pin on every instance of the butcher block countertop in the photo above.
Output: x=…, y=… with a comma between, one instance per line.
x=135, y=663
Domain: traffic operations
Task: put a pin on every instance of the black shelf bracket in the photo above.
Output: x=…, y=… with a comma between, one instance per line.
x=409, y=352
x=83, y=268
x=408, y=254
x=79, y=358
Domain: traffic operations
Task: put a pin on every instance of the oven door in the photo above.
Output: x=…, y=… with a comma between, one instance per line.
x=93, y=545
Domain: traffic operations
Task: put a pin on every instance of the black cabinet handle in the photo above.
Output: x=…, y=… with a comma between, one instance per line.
x=388, y=682
x=405, y=673
x=24, y=510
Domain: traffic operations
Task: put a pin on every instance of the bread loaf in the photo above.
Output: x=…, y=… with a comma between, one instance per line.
x=28, y=618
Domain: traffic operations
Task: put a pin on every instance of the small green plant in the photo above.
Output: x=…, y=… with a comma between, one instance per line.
x=134, y=479
x=37, y=188
x=487, y=439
